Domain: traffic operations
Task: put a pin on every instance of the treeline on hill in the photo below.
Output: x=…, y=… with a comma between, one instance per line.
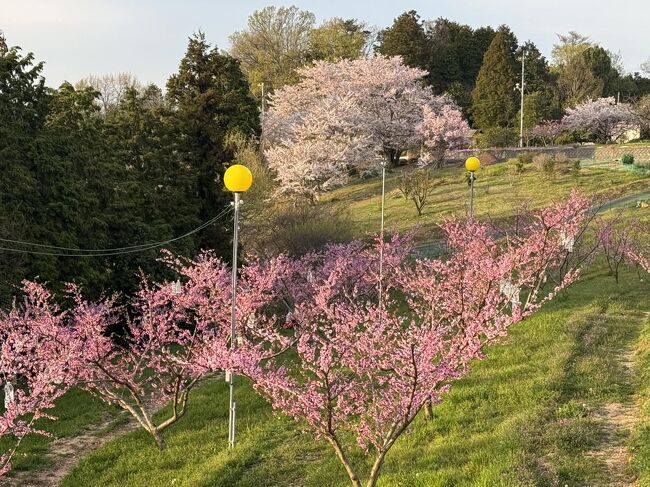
x=110, y=163
x=125, y=166
x=478, y=67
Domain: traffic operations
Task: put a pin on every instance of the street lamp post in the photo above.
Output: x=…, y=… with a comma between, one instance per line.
x=381, y=233
x=472, y=164
x=522, y=88
x=238, y=179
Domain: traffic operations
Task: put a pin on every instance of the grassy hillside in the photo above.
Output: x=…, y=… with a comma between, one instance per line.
x=533, y=413
x=539, y=411
x=499, y=191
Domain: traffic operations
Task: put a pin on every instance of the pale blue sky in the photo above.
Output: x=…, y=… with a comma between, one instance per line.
x=148, y=37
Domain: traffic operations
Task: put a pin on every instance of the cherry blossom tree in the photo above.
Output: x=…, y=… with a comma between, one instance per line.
x=367, y=369
x=33, y=369
x=442, y=130
x=157, y=356
x=548, y=131
x=603, y=117
x=342, y=115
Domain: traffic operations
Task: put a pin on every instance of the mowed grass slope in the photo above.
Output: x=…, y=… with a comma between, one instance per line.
x=527, y=415
x=460, y=447
x=499, y=191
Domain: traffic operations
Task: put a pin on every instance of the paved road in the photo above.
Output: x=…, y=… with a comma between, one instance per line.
x=437, y=247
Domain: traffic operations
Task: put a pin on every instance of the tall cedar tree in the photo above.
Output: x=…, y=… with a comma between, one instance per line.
x=406, y=38
x=23, y=107
x=494, y=99
x=211, y=99
x=155, y=196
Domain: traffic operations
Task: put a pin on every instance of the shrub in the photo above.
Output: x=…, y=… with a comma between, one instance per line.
x=404, y=184
x=417, y=186
x=497, y=137
x=295, y=228
x=544, y=163
x=627, y=159
x=575, y=167
x=525, y=157
x=561, y=158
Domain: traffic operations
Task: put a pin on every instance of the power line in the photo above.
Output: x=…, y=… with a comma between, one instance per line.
x=70, y=252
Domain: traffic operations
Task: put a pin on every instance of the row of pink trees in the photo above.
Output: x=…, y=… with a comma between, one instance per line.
x=354, y=114
x=315, y=340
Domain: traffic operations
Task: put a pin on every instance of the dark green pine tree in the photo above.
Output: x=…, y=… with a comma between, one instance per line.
x=210, y=99
x=23, y=108
x=73, y=187
x=155, y=197
x=406, y=38
x=494, y=99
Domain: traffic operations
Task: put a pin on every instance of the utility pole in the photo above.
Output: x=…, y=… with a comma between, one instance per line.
x=263, y=104
x=521, y=109
x=263, y=110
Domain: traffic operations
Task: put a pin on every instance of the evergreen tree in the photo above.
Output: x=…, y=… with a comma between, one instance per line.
x=494, y=99
x=210, y=100
x=600, y=63
x=73, y=187
x=406, y=38
x=155, y=197
x=23, y=107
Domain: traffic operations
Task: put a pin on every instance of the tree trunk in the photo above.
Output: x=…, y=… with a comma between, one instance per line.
x=376, y=468
x=160, y=441
x=428, y=410
x=354, y=479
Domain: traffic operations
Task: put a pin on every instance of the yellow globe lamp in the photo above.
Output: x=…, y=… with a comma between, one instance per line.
x=472, y=164
x=238, y=178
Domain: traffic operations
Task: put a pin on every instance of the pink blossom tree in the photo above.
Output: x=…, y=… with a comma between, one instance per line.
x=159, y=354
x=547, y=132
x=442, y=130
x=604, y=118
x=368, y=369
x=342, y=115
x=33, y=369
x=624, y=241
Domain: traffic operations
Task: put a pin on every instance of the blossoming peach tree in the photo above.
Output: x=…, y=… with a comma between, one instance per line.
x=356, y=365
x=368, y=368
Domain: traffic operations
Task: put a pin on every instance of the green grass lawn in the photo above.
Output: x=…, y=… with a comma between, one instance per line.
x=499, y=191
x=527, y=415
x=75, y=412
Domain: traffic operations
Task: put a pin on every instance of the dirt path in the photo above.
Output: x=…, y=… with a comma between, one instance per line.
x=618, y=421
x=64, y=453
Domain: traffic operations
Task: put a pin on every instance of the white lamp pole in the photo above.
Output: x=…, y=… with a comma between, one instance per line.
x=381, y=231
x=522, y=89
x=238, y=179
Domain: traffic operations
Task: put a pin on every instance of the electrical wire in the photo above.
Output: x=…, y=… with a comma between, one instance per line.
x=75, y=252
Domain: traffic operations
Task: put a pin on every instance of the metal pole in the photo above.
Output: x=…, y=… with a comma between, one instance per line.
x=521, y=110
x=233, y=319
x=263, y=107
x=471, y=194
x=381, y=232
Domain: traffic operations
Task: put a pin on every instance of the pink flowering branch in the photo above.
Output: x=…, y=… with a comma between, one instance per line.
x=366, y=369
x=34, y=372
x=441, y=130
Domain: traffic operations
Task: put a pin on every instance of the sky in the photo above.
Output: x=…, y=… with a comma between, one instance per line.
x=147, y=38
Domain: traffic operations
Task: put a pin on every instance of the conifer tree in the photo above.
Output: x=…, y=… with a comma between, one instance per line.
x=406, y=38
x=494, y=99
x=210, y=99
